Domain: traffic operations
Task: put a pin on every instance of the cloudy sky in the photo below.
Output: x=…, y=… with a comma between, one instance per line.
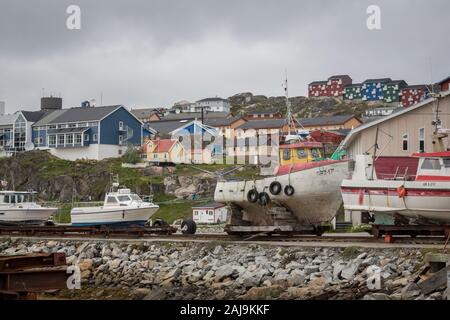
x=148, y=53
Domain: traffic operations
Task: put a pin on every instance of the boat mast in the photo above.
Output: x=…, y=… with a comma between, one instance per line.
x=375, y=147
x=288, y=106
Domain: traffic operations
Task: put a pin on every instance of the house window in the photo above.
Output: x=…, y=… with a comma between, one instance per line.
x=120, y=140
x=422, y=140
x=120, y=125
x=61, y=139
x=86, y=137
x=51, y=140
x=69, y=139
x=94, y=137
x=405, y=142
x=78, y=138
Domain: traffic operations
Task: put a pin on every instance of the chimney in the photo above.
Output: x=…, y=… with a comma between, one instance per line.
x=2, y=108
x=51, y=103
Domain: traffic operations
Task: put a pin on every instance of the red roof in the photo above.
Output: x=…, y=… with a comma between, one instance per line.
x=163, y=145
x=445, y=154
x=302, y=145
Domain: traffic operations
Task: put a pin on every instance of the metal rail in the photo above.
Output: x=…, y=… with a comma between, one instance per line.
x=168, y=233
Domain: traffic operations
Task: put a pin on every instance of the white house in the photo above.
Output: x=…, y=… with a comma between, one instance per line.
x=210, y=213
x=212, y=105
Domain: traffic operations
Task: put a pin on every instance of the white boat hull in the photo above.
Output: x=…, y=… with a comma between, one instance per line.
x=429, y=200
x=316, y=198
x=25, y=215
x=119, y=216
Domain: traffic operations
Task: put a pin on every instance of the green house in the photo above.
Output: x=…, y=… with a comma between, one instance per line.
x=392, y=90
x=353, y=92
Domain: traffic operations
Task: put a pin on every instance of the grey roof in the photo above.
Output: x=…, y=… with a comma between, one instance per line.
x=339, y=76
x=397, y=82
x=84, y=114
x=378, y=80
x=325, y=120
x=354, y=85
x=34, y=116
x=221, y=121
x=7, y=119
x=212, y=99
x=68, y=130
x=214, y=205
x=165, y=127
x=263, y=124
x=49, y=117
x=143, y=113
x=194, y=115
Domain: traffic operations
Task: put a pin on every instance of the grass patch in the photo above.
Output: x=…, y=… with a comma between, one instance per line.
x=173, y=211
x=351, y=252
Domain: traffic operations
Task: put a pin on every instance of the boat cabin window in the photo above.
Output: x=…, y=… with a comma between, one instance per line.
x=431, y=164
x=123, y=198
x=287, y=154
x=447, y=163
x=315, y=153
x=301, y=153
x=135, y=197
x=111, y=200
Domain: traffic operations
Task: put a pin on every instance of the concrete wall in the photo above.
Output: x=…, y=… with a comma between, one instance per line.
x=93, y=152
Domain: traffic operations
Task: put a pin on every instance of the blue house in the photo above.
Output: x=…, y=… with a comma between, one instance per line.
x=198, y=138
x=88, y=132
x=372, y=89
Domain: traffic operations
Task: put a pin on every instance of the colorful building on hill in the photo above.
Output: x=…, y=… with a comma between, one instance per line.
x=333, y=87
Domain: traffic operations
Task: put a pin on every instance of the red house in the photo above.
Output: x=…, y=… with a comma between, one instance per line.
x=412, y=95
x=334, y=87
x=317, y=89
x=445, y=84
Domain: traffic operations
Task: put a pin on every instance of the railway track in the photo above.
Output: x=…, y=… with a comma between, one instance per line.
x=170, y=233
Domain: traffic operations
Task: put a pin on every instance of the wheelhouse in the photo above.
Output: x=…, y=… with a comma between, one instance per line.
x=433, y=166
x=10, y=197
x=299, y=153
x=122, y=197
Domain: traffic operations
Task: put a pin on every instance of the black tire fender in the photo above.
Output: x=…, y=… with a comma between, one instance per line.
x=252, y=196
x=264, y=198
x=275, y=188
x=289, y=190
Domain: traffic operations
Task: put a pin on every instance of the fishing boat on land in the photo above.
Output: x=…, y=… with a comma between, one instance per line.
x=424, y=198
x=420, y=199
x=300, y=196
x=121, y=208
x=20, y=208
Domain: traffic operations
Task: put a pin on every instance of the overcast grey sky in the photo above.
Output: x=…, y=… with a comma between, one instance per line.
x=147, y=53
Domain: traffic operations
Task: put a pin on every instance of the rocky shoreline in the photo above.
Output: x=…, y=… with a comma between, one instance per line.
x=193, y=270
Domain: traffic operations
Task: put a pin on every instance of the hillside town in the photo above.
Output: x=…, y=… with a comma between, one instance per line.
x=96, y=132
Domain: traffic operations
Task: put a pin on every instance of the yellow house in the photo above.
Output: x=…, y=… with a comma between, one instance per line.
x=165, y=151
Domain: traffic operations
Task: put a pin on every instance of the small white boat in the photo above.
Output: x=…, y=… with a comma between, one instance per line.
x=120, y=208
x=425, y=197
x=18, y=207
